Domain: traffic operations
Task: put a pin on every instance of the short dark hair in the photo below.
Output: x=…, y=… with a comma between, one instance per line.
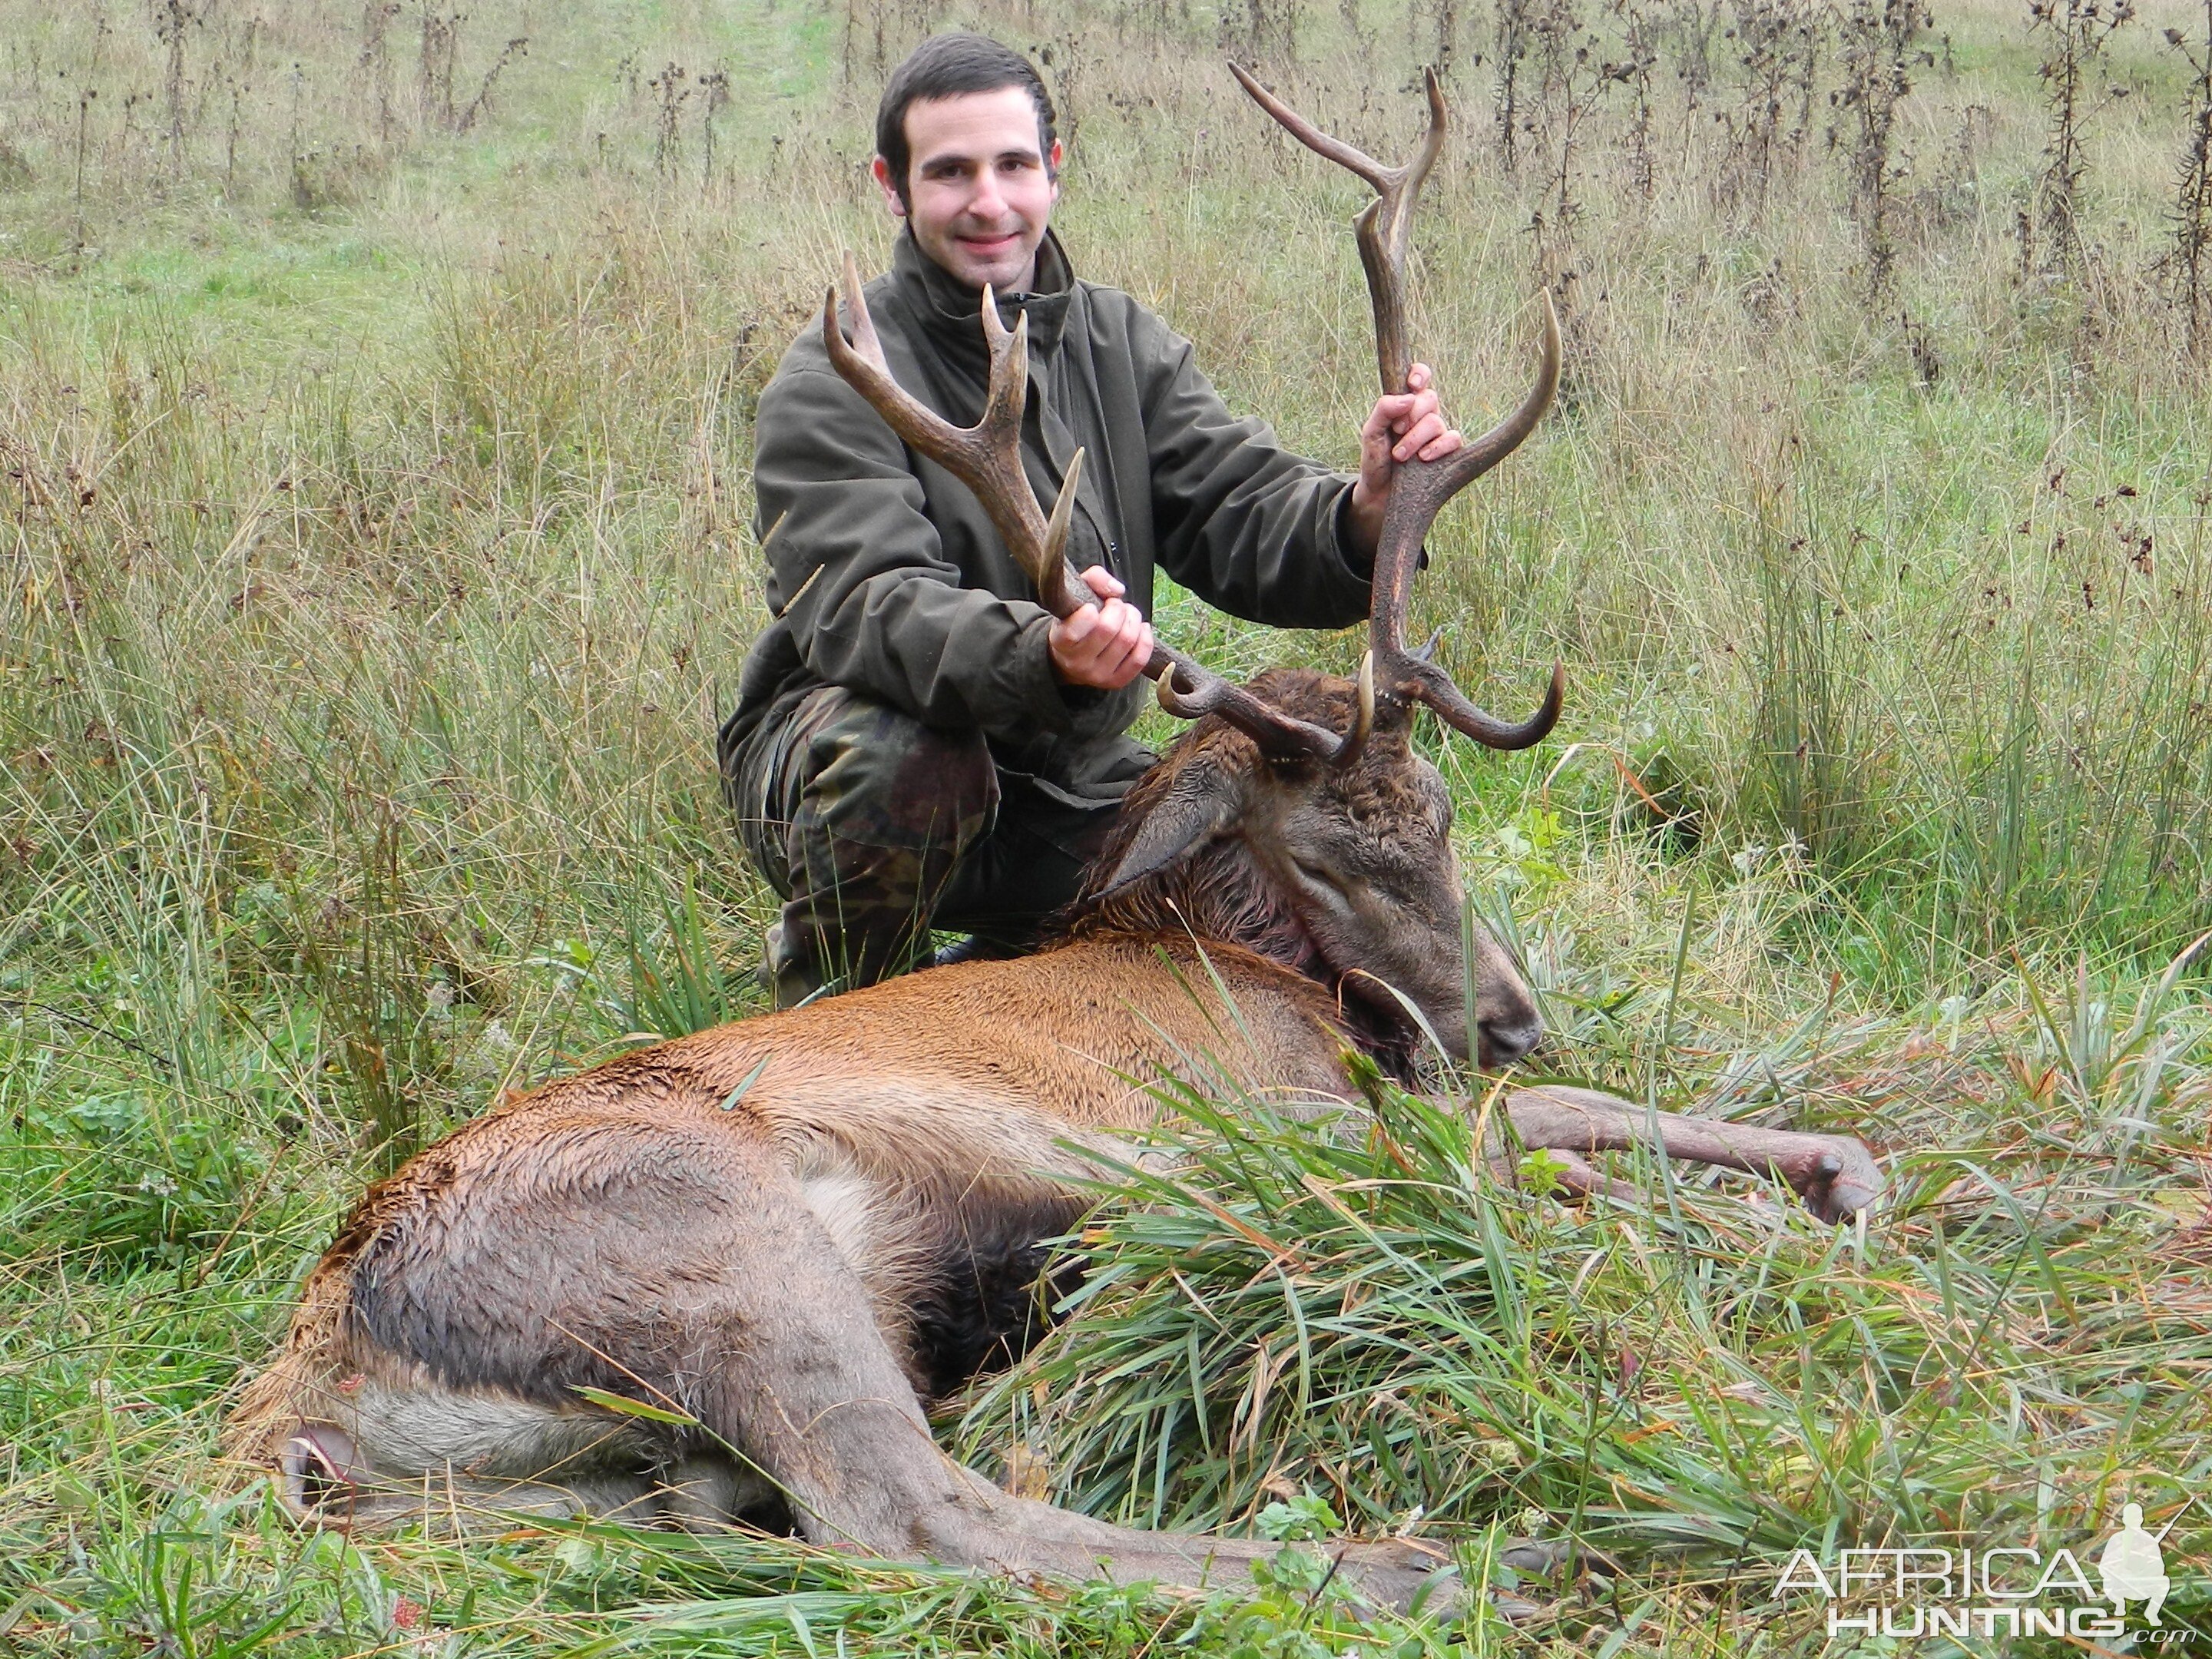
x=951, y=65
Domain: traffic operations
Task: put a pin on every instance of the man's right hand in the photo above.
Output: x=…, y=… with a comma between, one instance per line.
x=1106, y=645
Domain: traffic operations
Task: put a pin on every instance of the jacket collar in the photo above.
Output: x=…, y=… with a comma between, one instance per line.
x=952, y=311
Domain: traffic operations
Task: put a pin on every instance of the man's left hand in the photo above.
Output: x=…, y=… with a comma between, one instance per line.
x=1403, y=427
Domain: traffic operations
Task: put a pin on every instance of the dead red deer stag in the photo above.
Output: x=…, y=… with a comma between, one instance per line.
x=783, y=1236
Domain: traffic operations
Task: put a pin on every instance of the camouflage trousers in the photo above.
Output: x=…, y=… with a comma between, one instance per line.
x=876, y=829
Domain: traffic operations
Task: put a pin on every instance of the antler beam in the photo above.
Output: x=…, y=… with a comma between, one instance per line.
x=1419, y=488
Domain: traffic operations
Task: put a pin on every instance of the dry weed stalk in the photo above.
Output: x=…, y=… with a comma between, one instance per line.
x=668, y=138
x=173, y=18
x=1442, y=19
x=1879, y=52
x=716, y=88
x=237, y=90
x=513, y=49
x=1631, y=72
x=2079, y=31
x=1693, y=27
x=2188, y=264
x=1510, y=53
x=1778, y=48
x=1270, y=30
x=83, y=132
x=1573, y=76
x=1573, y=79
x=369, y=960
x=440, y=43
x=376, y=17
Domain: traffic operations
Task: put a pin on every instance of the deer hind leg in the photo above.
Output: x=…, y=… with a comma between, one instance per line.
x=821, y=1401
x=1835, y=1175
x=787, y=1355
x=461, y=1457
x=399, y=1445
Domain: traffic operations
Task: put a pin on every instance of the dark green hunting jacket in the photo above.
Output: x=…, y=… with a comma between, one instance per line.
x=885, y=575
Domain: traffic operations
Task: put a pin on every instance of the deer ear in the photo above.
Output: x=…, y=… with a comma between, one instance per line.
x=1203, y=802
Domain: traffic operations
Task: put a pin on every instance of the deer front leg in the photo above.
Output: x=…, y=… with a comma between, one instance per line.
x=1835, y=1175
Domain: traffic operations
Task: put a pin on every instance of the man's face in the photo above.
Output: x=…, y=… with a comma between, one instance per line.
x=978, y=192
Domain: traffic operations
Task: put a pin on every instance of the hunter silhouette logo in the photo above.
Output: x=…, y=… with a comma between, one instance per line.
x=2133, y=1567
x=1993, y=1592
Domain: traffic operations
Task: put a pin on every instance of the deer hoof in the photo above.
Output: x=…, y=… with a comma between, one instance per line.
x=1517, y=1610
x=1839, y=1182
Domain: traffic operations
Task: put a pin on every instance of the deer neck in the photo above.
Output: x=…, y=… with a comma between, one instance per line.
x=1221, y=895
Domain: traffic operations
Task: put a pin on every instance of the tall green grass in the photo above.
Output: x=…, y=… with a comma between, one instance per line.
x=1364, y=1313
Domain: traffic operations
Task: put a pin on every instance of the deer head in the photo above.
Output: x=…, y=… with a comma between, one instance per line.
x=1343, y=872
x=1295, y=817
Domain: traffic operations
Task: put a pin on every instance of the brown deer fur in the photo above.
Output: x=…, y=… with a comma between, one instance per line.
x=794, y=1229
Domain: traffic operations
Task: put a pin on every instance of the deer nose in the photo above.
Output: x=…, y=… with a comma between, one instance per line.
x=1506, y=1038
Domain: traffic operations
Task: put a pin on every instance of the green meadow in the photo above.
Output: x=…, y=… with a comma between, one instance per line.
x=376, y=390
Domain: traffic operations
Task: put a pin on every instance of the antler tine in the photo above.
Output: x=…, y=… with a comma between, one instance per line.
x=1322, y=143
x=1283, y=736
x=1417, y=494
x=1280, y=736
x=1473, y=459
x=1009, y=366
x=987, y=458
x=1384, y=225
x=1419, y=488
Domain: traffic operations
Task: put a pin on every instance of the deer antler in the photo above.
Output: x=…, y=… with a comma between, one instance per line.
x=987, y=458
x=1419, y=488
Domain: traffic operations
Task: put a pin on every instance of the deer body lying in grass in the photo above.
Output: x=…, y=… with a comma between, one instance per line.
x=781, y=1236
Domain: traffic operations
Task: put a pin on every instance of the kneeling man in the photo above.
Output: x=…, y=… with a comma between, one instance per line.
x=916, y=742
